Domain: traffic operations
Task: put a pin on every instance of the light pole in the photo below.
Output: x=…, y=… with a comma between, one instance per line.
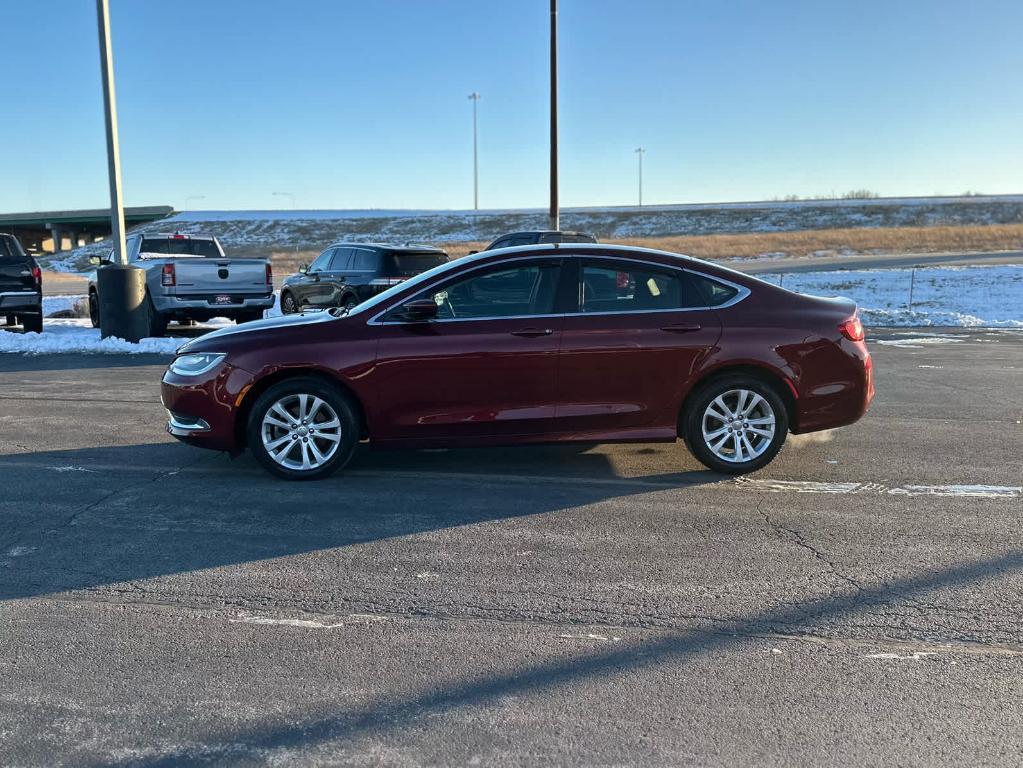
x=286, y=194
x=555, y=214
x=640, y=152
x=474, y=97
x=106, y=56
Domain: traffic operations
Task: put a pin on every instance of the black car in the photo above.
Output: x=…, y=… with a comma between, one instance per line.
x=21, y=286
x=515, y=239
x=348, y=273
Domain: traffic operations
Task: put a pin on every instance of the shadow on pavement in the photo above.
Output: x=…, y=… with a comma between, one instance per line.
x=104, y=515
x=393, y=715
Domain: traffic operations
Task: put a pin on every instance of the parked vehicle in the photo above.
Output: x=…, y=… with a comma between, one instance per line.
x=348, y=273
x=515, y=239
x=188, y=278
x=21, y=286
x=570, y=343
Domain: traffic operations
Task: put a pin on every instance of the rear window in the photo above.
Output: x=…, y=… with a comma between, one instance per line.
x=11, y=250
x=184, y=246
x=408, y=264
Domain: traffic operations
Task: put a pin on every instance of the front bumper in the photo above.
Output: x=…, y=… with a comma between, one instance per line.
x=21, y=300
x=202, y=410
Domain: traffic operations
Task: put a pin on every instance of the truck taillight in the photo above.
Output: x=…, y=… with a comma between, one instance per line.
x=269, y=274
x=852, y=329
x=169, y=276
x=37, y=275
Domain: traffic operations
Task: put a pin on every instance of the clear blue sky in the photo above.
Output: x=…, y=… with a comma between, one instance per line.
x=364, y=104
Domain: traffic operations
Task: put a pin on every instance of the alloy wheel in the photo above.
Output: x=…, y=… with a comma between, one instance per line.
x=738, y=426
x=301, y=432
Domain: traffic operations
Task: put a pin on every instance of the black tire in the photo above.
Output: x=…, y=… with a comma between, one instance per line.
x=11, y=319
x=288, y=305
x=187, y=322
x=314, y=387
x=32, y=323
x=692, y=423
x=94, y=309
x=156, y=324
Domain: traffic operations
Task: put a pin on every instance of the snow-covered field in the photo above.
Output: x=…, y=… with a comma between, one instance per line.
x=986, y=296
x=989, y=296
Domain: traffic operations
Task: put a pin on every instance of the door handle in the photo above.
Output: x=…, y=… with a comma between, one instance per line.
x=531, y=333
x=682, y=328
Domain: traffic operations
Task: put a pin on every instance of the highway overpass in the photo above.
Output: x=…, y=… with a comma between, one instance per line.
x=56, y=231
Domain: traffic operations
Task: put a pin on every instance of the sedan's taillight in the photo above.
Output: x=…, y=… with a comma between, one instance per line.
x=852, y=329
x=37, y=275
x=269, y=274
x=169, y=276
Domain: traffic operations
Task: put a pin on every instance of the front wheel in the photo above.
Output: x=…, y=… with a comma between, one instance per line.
x=350, y=302
x=94, y=309
x=735, y=424
x=33, y=323
x=303, y=429
x=288, y=305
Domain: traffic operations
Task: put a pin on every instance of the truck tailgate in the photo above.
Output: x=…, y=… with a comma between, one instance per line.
x=203, y=276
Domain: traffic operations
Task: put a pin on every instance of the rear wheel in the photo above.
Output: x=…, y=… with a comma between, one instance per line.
x=94, y=309
x=11, y=320
x=735, y=424
x=156, y=323
x=32, y=323
x=303, y=429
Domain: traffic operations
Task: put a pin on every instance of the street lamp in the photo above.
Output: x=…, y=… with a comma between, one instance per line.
x=474, y=97
x=286, y=194
x=640, y=152
x=555, y=214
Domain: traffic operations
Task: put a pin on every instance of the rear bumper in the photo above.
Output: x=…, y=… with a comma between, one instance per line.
x=208, y=304
x=24, y=301
x=842, y=397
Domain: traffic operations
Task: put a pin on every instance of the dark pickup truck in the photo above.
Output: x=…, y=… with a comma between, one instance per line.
x=21, y=286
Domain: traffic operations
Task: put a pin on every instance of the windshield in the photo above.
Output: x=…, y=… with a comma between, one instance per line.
x=422, y=277
x=182, y=246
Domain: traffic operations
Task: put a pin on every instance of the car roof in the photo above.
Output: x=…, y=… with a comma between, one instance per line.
x=409, y=247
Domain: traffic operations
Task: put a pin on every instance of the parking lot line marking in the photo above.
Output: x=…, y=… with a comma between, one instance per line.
x=267, y=621
x=974, y=491
x=807, y=486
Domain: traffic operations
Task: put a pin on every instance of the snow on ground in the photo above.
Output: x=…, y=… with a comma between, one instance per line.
x=988, y=296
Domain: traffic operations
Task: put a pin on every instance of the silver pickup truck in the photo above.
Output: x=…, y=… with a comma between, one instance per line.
x=188, y=278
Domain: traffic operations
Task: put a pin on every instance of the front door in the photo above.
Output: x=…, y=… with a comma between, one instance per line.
x=639, y=333
x=487, y=366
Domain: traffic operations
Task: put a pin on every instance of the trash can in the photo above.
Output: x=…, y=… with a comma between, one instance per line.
x=122, y=302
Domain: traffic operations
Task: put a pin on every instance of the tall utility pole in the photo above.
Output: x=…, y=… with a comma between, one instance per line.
x=106, y=56
x=474, y=97
x=640, y=152
x=555, y=214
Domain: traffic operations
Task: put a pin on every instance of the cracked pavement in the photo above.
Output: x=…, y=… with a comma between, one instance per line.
x=160, y=605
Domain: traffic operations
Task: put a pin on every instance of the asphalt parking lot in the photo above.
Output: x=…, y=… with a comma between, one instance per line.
x=857, y=602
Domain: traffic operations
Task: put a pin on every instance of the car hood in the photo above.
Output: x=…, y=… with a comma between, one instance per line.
x=211, y=342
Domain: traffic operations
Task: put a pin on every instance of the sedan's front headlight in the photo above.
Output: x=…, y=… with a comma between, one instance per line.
x=196, y=364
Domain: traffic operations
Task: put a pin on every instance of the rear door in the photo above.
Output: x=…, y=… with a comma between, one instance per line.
x=639, y=334
x=487, y=367
x=15, y=267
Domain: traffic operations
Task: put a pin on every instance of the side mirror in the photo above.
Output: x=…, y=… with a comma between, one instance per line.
x=100, y=261
x=419, y=311
x=303, y=268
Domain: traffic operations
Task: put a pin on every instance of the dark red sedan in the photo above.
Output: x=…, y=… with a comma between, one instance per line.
x=524, y=345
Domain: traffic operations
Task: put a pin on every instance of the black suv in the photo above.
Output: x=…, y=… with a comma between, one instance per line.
x=535, y=238
x=21, y=286
x=348, y=273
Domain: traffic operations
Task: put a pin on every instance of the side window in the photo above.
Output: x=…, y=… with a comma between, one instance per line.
x=341, y=261
x=365, y=261
x=624, y=287
x=322, y=261
x=500, y=243
x=710, y=292
x=518, y=240
x=502, y=292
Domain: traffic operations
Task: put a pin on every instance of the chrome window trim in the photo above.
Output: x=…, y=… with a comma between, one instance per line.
x=742, y=292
